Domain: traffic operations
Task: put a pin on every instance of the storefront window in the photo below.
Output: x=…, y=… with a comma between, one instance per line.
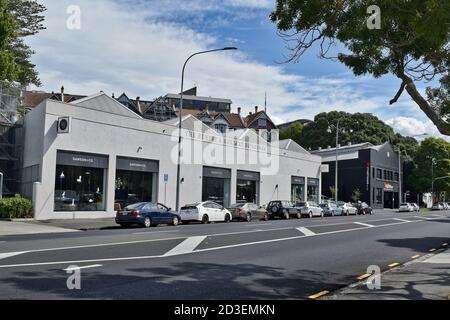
x=133, y=186
x=313, y=190
x=297, y=189
x=80, y=182
x=216, y=185
x=135, y=181
x=247, y=188
x=379, y=196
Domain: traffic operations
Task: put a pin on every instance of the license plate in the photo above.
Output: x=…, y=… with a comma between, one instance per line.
x=124, y=213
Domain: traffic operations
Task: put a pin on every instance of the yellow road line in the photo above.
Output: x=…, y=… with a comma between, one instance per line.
x=393, y=264
x=416, y=256
x=318, y=295
x=364, y=276
x=432, y=250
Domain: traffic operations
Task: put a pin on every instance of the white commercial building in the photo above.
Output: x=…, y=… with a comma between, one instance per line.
x=109, y=156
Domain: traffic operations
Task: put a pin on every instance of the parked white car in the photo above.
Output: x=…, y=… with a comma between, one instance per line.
x=438, y=206
x=205, y=212
x=416, y=207
x=309, y=209
x=346, y=208
x=406, y=207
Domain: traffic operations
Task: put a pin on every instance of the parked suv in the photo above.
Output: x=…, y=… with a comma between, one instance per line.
x=282, y=209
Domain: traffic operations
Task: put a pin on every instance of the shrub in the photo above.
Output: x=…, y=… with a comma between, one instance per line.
x=16, y=207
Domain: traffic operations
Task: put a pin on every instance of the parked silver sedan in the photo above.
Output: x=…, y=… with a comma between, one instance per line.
x=347, y=208
x=329, y=209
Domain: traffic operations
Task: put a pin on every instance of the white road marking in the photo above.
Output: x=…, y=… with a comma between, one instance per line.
x=306, y=231
x=187, y=246
x=402, y=220
x=83, y=267
x=10, y=254
x=153, y=232
x=424, y=218
x=196, y=251
x=439, y=258
x=364, y=224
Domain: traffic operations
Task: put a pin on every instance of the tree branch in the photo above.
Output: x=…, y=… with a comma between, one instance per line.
x=442, y=125
x=399, y=93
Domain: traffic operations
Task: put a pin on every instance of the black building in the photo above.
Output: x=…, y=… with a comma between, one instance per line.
x=373, y=170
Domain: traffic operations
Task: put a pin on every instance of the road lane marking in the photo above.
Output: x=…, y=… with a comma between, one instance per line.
x=364, y=276
x=318, y=295
x=83, y=267
x=153, y=232
x=424, y=218
x=364, y=224
x=392, y=265
x=196, y=251
x=416, y=256
x=187, y=246
x=445, y=244
x=432, y=250
x=402, y=220
x=306, y=231
x=11, y=254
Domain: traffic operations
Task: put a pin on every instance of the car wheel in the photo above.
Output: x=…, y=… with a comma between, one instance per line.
x=346, y=213
x=227, y=218
x=321, y=215
x=147, y=222
x=299, y=216
x=332, y=213
x=310, y=214
x=286, y=215
x=175, y=221
x=266, y=217
x=205, y=219
x=248, y=217
x=124, y=225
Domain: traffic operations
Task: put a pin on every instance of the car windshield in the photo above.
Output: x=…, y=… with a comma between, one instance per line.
x=136, y=206
x=237, y=205
x=340, y=203
x=324, y=205
x=404, y=204
x=301, y=204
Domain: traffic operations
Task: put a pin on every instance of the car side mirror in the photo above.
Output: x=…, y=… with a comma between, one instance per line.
x=170, y=209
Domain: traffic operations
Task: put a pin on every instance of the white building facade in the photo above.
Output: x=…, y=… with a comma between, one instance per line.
x=111, y=157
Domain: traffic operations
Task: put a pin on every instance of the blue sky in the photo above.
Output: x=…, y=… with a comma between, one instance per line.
x=138, y=47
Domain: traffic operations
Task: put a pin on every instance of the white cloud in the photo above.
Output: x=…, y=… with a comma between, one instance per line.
x=133, y=49
x=409, y=126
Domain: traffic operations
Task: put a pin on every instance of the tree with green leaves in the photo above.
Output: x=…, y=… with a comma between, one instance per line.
x=19, y=19
x=412, y=43
x=354, y=128
x=356, y=195
x=294, y=132
x=432, y=160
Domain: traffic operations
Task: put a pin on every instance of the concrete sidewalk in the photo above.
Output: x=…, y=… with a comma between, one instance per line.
x=8, y=228
x=427, y=278
x=79, y=224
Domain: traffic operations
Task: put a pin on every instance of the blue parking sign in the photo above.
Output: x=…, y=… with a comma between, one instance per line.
x=166, y=178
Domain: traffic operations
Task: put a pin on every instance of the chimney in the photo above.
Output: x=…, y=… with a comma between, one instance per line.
x=256, y=109
x=349, y=144
x=329, y=147
x=113, y=96
x=138, y=104
x=320, y=148
x=62, y=93
x=239, y=110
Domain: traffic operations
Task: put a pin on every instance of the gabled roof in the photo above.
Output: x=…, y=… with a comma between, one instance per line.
x=251, y=118
x=291, y=145
x=32, y=99
x=103, y=102
x=233, y=119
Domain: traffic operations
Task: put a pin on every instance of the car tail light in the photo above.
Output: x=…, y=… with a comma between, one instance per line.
x=136, y=213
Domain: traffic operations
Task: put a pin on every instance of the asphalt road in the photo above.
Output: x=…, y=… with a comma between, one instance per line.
x=278, y=259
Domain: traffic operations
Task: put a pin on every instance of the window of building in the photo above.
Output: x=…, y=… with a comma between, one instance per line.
x=216, y=185
x=396, y=176
x=247, y=187
x=378, y=196
x=262, y=122
x=80, y=182
x=313, y=190
x=379, y=174
x=221, y=128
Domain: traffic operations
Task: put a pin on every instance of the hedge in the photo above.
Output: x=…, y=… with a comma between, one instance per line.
x=16, y=207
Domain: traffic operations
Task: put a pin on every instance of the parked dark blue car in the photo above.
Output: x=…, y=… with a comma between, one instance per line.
x=147, y=214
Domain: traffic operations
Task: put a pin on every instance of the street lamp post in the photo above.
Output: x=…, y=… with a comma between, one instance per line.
x=180, y=118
